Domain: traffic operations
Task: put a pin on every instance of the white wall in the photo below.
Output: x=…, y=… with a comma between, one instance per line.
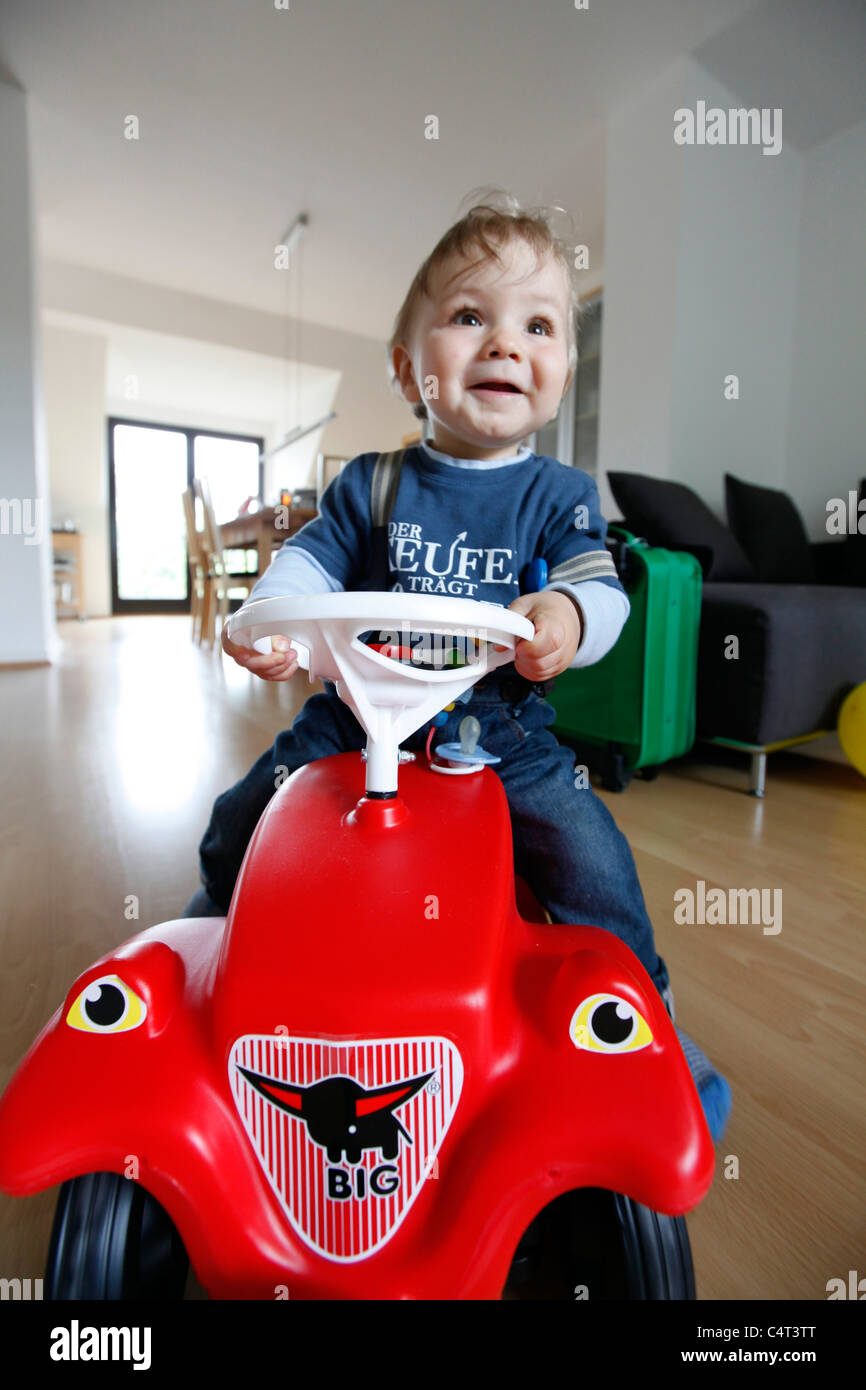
x=27, y=629
x=642, y=217
x=724, y=260
x=197, y=363
x=826, y=441
x=736, y=260
x=370, y=417
x=75, y=429
x=85, y=372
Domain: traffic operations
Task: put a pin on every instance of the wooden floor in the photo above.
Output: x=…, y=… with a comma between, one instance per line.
x=112, y=759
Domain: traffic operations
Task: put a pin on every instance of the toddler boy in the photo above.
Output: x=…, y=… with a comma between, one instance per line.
x=484, y=349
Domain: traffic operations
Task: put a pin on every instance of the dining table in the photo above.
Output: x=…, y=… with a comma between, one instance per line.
x=265, y=530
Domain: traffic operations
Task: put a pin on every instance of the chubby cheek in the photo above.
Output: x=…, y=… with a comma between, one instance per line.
x=549, y=379
x=446, y=355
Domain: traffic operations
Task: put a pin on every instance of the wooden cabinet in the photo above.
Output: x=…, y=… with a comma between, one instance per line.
x=68, y=574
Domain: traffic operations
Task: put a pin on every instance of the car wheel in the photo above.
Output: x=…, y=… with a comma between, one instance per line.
x=600, y=1246
x=112, y=1240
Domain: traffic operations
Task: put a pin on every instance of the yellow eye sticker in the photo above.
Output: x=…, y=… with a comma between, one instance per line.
x=608, y=1023
x=107, y=1005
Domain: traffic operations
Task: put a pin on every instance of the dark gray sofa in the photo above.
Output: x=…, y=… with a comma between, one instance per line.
x=783, y=620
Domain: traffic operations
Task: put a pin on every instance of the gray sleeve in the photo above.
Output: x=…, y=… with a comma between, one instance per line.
x=294, y=570
x=604, y=610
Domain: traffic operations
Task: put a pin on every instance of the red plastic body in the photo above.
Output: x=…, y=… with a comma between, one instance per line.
x=375, y=945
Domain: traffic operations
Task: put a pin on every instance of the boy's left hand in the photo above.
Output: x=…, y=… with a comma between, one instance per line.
x=557, y=634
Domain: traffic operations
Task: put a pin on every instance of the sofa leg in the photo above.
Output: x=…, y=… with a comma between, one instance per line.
x=759, y=774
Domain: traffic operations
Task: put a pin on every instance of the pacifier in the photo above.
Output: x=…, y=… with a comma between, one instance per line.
x=467, y=755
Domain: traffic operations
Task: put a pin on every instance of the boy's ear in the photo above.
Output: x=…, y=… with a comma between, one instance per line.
x=568, y=381
x=405, y=375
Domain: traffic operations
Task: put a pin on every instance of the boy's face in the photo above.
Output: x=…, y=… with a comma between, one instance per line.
x=487, y=324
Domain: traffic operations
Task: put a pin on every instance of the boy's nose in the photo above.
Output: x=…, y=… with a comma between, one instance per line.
x=503, y=346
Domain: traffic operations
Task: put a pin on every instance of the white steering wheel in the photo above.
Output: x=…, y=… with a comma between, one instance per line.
x=390, y=698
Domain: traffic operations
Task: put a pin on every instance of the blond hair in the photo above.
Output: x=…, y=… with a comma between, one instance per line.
x=487, y=228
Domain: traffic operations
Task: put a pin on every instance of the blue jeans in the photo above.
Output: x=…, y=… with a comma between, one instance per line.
x=566, y=843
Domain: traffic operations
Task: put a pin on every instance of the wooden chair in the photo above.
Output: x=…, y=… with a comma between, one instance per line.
x=219, y=585
x=197, y=565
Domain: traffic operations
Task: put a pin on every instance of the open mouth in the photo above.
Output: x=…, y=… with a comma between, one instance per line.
x=497, y=386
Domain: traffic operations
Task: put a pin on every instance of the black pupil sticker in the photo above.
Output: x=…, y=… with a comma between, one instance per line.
x=105, y=1008
x=609, y=1026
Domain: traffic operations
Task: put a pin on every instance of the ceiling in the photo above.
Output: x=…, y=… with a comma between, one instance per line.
x=249, y=113
x=807, y=58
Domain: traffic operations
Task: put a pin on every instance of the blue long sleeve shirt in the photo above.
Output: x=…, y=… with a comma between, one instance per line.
x=465, y=528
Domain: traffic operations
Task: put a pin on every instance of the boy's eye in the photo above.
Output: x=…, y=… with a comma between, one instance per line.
x=465, y=313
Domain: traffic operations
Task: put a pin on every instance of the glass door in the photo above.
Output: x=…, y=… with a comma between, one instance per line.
x=234, y=473
x=148, y=475
x=150, y=467
x=231, y=466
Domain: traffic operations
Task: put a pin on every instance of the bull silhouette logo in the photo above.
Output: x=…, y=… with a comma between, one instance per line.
x=340, y=1115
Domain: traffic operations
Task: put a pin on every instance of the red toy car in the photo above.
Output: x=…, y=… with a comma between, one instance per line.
x=375, y=1078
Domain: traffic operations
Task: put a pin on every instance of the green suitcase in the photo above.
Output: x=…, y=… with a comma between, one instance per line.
x=635, y=708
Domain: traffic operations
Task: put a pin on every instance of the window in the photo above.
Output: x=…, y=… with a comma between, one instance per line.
x=150, y=467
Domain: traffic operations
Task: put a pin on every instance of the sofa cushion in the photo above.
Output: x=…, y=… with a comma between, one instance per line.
x=771, y=532
x=800, y=649
x=855, y=543
x=671, y=515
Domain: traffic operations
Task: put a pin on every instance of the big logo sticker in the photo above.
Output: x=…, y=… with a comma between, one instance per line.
x=347, y=1133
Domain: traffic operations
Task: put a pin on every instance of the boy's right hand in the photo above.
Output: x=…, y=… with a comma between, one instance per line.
x=279, y=664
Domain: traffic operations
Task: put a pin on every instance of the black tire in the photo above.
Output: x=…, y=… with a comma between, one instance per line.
x=615, y=775
x=601, y=1246
x=649, y=774
x=110, y=1241
x=616, y=783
